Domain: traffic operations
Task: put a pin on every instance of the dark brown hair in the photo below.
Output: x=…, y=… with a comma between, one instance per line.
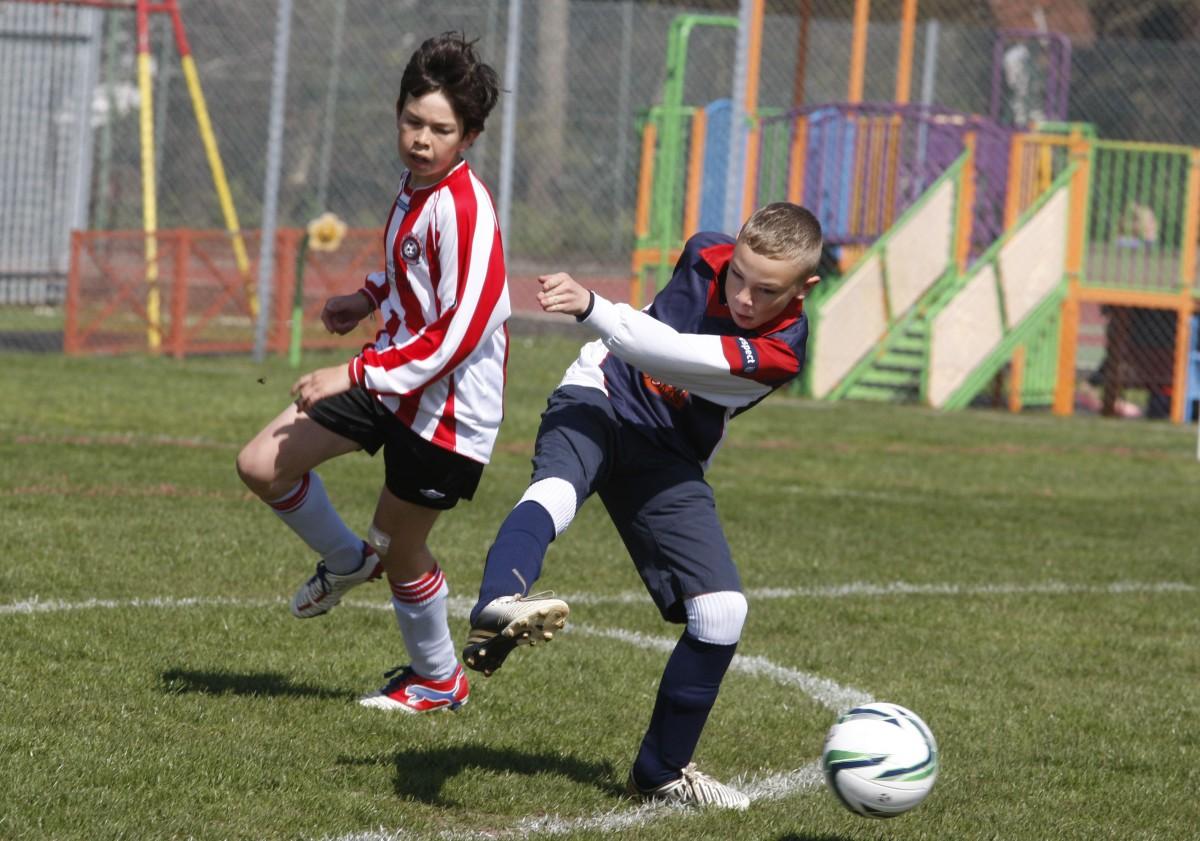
x=449, y=63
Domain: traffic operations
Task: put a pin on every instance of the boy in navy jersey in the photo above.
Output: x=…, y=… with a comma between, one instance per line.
x=637, y=419
x=429, y=390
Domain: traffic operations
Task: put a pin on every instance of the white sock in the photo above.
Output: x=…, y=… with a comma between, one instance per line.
x=307, y=511
x=421, y=614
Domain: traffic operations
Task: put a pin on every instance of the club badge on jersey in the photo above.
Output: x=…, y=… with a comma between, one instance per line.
x=410, y=249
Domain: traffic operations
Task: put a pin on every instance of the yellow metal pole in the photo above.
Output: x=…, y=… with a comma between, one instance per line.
x=695, y=171
x=1012, y=205
x=797, y=153
x=966, y=205
x=908, y=28
x=1187, y=276
x=858, y=50
x=1064, y=387
x=753, y=65
x=149, y=192
x=641, y=215
x=1012, y=193
x=209, y=139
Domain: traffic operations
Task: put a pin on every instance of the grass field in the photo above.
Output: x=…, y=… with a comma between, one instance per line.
x=1027, y=584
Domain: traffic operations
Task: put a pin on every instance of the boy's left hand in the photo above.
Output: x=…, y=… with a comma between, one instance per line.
x=562, y=293
x=321, y=383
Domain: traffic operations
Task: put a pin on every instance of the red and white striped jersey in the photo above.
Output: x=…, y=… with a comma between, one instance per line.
x=439, y=360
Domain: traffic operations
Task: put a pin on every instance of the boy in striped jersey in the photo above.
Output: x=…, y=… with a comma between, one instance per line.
x=637, y=419
x=429, y=390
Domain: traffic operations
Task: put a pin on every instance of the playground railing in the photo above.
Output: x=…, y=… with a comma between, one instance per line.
x=980, y=318
x=899, y=270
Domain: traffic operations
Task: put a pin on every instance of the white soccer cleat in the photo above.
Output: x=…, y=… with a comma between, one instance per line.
x=509, y=621
x=321, y=593
x=693, y=788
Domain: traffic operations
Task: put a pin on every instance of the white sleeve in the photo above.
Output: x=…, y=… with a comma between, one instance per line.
x=692, y=361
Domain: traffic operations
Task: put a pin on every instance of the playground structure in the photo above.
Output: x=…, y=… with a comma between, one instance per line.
x=983, y=257
x=887, y=180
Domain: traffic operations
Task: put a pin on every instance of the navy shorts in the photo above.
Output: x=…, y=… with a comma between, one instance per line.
x=414, y=469
x=660, y=503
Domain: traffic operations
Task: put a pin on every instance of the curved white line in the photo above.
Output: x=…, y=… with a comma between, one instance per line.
x=902, y=588
x=823, y=690
x=826, y=692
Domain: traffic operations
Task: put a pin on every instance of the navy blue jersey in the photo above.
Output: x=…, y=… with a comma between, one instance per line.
x=680, y=369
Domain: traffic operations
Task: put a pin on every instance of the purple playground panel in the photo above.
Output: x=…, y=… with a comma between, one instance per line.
x=866, y=163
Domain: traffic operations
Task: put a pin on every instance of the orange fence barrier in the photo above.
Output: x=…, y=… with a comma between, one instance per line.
x=203, y=305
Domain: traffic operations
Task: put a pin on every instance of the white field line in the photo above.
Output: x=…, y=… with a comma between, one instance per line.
x=902, y=588
x=460, y=605
x=822, y=690
x=38, y=605
x=774, y=787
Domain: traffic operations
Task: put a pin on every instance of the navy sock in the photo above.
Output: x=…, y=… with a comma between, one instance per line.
x=686, y=695
x=520, y=547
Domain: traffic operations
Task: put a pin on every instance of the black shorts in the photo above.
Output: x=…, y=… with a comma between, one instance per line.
x=659, y=501
x=414, y=469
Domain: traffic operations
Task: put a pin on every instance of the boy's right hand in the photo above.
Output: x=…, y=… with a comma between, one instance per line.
x=562, y=293
x=342, y=313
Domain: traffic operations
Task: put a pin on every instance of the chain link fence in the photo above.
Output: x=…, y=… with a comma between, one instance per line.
x=588, y=73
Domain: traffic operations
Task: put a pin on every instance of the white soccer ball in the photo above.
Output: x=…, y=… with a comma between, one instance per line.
x=880, y=760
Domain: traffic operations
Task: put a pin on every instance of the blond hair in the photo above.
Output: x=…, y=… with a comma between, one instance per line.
x=785, y=231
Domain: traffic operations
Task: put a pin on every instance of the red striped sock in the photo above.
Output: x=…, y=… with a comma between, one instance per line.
x=307, y=511
x=421, y=591
x=420, y=608
x=294, y=498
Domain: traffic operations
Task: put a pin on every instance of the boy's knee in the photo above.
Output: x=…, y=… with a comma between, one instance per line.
x=253, y=470
x=717, y=618
x=555, y=495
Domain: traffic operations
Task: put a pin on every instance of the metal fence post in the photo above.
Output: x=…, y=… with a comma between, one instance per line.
x=266, y=257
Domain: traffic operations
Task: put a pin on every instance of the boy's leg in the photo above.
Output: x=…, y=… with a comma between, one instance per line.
x=423, y=480
x=514, y=560
x=573, y=449
x=433, y=678
x=666, y=515
x=277, y=465
x=686, y=695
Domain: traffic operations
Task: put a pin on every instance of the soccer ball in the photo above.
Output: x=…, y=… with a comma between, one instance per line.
x=880, y=760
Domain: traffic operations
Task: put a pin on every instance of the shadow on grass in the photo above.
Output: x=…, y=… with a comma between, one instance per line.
x=421, y=774
x=178, y=681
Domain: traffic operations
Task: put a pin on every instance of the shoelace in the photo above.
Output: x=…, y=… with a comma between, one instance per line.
x=523, y=596
x=321, y=575
x=398, y=674
x=706, y=788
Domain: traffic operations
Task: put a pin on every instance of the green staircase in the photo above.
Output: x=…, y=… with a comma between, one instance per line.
x=963, y=328
x=895, y=370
